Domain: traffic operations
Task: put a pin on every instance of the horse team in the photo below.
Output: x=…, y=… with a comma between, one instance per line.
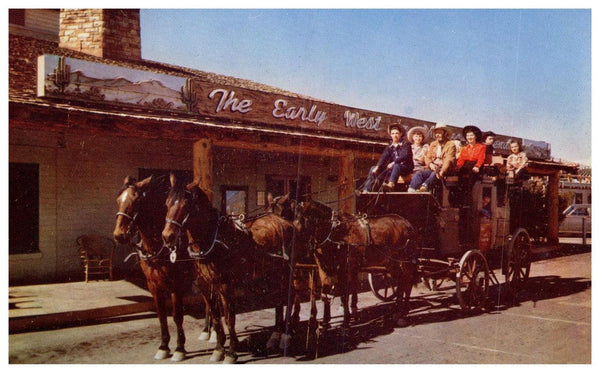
x=183, y=240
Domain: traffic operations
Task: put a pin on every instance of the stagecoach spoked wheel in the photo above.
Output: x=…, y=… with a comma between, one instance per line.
x=518, y=261
x=472, y=281
x=383, y=286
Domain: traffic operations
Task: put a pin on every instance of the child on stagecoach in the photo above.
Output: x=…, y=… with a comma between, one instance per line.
x=516, y=162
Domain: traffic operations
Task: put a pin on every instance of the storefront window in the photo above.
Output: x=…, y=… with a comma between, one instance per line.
x=282, y=185
x=24, y=210
x=234, y=200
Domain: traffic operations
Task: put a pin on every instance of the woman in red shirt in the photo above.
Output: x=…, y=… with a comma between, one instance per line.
x=470, y=160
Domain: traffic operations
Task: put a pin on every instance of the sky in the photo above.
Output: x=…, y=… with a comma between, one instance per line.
x=523, y=72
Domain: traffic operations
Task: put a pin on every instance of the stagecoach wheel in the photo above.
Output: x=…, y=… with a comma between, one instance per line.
x=472, y=281
x=383, y=286
x=518, y=261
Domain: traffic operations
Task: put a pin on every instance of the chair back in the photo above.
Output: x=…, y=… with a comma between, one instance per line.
x=96, y=254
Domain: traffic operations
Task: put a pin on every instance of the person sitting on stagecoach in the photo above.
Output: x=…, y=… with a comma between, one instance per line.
x=470, y=161
x=418, y=137
x=439, y=160
x=396, y=160
x=516, y=162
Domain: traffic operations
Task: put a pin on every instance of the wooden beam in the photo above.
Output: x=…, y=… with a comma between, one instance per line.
x=346, y=183
x=552, y=197
x=203, y=166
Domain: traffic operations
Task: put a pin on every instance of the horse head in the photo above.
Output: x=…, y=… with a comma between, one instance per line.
x=313, y=220
x=282, y=206
x=128, y=204
x=188, y=210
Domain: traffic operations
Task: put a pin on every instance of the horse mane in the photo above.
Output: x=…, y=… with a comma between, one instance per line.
x=129, y=181
x=152, y=186
x=322, y=208
x=179, y=189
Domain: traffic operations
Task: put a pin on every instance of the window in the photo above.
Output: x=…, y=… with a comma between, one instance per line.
x=186, y=175
x=23, y=208
x=234, y=200
x=281, y=185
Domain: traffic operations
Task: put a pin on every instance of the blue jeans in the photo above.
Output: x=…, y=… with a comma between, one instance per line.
x=421, y=177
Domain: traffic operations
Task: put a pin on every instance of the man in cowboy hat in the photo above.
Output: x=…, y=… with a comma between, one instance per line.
x=396, y=159
x=439, y=160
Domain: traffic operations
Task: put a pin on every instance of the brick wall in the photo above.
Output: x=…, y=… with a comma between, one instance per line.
x=106, y=33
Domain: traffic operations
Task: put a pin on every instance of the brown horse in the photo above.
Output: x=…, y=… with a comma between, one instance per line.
x=345, y=244
x=229, y=253
x=141, y=210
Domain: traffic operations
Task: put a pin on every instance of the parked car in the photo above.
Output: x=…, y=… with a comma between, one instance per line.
x=573, y=219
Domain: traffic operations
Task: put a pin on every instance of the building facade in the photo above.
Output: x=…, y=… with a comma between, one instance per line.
x=85, y=111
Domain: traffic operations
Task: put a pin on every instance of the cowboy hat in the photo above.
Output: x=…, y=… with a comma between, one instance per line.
x=474, y=129
x=440, y=126
x=398, y=127
x=416, y=129
x=488, y=133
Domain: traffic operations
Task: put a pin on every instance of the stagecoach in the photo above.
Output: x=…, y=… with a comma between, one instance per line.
x=457, y=241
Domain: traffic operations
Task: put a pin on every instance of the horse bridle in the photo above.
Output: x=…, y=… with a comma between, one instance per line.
x=131, y=218
x=133, y=231
x=182, y=226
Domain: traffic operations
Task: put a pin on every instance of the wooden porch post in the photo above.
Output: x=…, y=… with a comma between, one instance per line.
x=203, y=166
x=346, y=183
x=553, y=180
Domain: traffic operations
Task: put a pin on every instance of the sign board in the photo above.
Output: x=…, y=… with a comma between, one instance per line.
x=74, y=79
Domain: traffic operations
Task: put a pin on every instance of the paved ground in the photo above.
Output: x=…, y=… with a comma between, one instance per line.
x=552, y=324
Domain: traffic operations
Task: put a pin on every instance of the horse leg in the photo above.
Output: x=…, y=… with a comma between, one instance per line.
x=406, y=277
x=207, y=332
x=161, y=311
x=275, y=338
x=229, y=315
x=215, y=315
x=353, y=291
x=177, y=300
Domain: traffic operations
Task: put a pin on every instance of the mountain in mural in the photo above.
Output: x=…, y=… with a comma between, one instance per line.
x=149, y=93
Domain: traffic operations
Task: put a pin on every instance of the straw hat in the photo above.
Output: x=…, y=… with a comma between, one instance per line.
x=419, y=129
x=440, y=126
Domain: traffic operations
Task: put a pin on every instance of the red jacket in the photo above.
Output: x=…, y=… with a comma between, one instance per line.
x=472, y=153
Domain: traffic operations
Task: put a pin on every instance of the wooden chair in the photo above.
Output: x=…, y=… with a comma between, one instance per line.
x=96, y=254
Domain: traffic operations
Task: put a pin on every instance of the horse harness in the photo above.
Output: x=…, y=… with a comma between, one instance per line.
x=236, y=221
x=363, y=222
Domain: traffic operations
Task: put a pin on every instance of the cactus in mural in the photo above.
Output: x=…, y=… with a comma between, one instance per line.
x=62, y=75
x=188, y=95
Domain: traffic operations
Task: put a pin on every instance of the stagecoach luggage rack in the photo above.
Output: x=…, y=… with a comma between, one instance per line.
x=96, y=254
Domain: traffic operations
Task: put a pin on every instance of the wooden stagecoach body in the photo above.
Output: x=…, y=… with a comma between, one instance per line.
x=444, y=254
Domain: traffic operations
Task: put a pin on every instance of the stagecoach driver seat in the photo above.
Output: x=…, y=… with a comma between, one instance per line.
x=395, y=161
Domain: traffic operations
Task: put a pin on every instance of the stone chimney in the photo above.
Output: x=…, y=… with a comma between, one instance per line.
x=106, y=33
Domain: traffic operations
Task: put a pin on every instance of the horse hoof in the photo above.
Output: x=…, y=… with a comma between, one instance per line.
x=216, y=356
x=204, y=335
x=273, y=340
x=178, y=356
x=161, y=354
x=213, y=337
x=230, y=359
x=402, y=322
x=285, y=341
